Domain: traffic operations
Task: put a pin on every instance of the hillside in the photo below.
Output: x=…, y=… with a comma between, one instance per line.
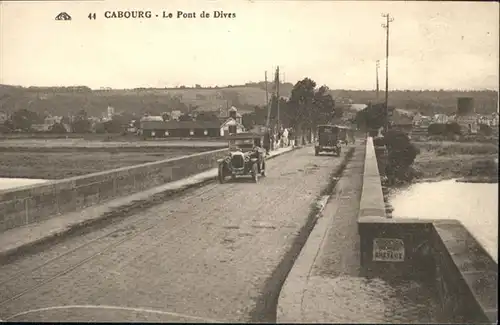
x=426, y=101
x=64, y=101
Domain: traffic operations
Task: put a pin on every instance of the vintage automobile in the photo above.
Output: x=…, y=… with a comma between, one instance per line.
x=330, y=139
x=246, y=157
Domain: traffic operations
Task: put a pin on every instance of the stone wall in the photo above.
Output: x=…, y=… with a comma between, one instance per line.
x=30, y=204
x=440, y=252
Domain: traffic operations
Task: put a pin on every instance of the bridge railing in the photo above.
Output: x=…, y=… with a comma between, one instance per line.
x=29, y=204
x=440, y=252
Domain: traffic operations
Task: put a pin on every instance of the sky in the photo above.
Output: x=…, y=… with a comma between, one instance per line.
x=433, y=45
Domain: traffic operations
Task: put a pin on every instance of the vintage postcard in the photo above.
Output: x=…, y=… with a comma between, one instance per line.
x=276, y=161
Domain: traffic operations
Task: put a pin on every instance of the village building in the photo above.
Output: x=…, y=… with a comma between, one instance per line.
x=180, y=129
x=440, y=118
x=420, y=124
x=48, y=122
x=155, y=127
x=490, y=120
x=401, y=122
x=232, y=124
x=174, y=115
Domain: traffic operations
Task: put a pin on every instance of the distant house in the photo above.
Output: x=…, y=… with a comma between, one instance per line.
x=232, y=124
x=40, y=127
x=440, y=118
x=357, y=107
x=401, y=122
x=180, y=129
x=420, y=124
x=422, y=121
x=491, y=120
x=494, y=119
x=151, y=118
x=468, y=121
x=50, y=120
x=174, y=115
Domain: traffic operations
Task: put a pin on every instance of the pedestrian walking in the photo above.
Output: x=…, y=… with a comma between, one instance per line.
x=267, y=142
x=291, y=137
x=285, y=137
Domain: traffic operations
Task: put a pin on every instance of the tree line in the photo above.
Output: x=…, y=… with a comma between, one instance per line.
x=23, y=120
x=307, y=107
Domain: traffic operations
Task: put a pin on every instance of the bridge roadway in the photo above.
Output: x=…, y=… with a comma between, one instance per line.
x=210, y=255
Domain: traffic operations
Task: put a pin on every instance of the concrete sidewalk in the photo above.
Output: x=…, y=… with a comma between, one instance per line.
x=17, y=240
x=325, y=285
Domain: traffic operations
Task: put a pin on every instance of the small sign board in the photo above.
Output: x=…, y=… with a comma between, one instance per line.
x=388, y=250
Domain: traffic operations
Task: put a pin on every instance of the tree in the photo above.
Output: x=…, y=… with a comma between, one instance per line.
x=485, y=129
x=372, y=117
x=6, y=127
x=114, y=126
x=207, y=116
x=248, y=120
x=401, y=154
x=323, y=107
x=81, y=123
x=185, y=117
x=166, y=116
x=283, y=106
x=453, y=128
x=301, y=103
x=57, y=128
x=437, y=129
x=23, y=119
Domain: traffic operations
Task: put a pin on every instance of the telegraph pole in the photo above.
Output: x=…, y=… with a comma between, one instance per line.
x=278, y=95
x=377, y=66
x=389, y=19
x=267, y=102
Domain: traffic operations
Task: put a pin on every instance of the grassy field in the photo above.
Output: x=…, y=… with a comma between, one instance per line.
x=68, y=144
x=58, y=163
x=440, y=160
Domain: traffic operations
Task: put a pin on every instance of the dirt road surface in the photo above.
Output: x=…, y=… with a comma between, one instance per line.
x=206, y=256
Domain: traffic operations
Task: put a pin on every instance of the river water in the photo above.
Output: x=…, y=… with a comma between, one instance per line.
x=473, y=204
x=8, y=183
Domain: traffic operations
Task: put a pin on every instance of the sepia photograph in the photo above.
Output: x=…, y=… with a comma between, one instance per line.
x=249, y=161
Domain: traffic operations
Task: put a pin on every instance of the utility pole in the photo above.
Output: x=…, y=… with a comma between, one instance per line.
x=267, y=103
x=377, y=66
x=277, y=83
x=389, y=19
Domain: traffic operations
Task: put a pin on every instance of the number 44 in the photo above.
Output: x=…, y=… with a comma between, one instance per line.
x=92, y=16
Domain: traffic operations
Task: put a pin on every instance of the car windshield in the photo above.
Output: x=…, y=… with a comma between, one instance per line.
x=243, y=144
x=327, y=129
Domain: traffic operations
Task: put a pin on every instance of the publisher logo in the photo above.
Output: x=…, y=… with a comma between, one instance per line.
x=63, y=16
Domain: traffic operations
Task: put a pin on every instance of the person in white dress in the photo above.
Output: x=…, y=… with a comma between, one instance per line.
x=285, y=137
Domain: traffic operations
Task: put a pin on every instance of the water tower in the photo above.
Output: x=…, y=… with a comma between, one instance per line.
x=465, y=106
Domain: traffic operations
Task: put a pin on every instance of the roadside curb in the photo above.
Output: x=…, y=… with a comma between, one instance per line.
x=272, y=299
x=111, y=214
x=288, y=305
